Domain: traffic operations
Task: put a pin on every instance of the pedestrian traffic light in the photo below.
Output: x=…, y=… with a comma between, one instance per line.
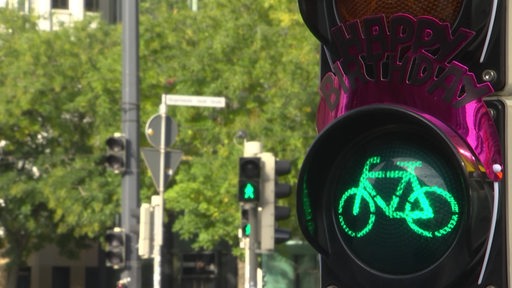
x=271, y=212
x=404, y=185
x=115, y=158
x=115, y=250
x=249, y=179
x=245, y=226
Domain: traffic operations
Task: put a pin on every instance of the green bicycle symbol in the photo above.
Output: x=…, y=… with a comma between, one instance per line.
x=418, y=208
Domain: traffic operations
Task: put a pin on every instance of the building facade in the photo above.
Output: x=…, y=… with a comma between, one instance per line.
x=53, y=14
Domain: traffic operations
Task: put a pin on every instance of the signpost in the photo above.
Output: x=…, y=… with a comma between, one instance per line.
x=197, y=101
x=161, y=132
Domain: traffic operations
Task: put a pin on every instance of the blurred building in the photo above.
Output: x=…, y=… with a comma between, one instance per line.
x=53, y=14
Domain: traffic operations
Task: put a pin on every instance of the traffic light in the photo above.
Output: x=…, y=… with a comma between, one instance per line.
x=115, y=158
x=270, y=211
x=399, y=203
x=115, y=251
x=249, y=179
x=406, y=184
x=245, y=226
x=480, y=31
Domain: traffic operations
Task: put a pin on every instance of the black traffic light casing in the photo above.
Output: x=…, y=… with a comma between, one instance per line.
x=270, y=211
x=115, y=252
x=282, y=190
x=115, y=158
x=483, y=54
x=249, y=172
x=498, y=273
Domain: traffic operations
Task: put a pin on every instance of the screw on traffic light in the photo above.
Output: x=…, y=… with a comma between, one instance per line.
x=115, y=159
x=270, y=234
x=408, y=158
x=115, y=250
x=249, y=179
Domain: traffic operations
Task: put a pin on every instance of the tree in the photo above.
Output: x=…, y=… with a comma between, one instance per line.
x=57, y=96
x=260, y=56
x=61, y=90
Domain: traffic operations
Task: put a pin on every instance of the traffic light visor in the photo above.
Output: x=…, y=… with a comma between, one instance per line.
x=115, y=144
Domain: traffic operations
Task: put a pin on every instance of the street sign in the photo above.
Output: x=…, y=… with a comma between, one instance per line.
x=154, y=131
x=198, y=101
x=152, y=159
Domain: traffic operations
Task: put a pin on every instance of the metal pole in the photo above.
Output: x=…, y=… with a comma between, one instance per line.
x=250, y=258
x=159, y=210
x=130, y=126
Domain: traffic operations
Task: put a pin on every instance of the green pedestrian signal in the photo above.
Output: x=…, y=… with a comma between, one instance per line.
x=249, y=192
x=247, y=230
x=249, y=179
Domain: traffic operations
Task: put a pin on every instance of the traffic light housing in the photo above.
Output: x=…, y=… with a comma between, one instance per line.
x=115, y=252
x=371, y=200
x=249, y=172
x=245, y=227
x=403, y=186
x=499, y=273
x=484, y=53
x=115, y=159
x=270, y=234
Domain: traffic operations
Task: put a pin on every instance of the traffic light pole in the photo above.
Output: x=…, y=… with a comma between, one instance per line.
x=252, y=148
x=130, y=276
x=159, y=207
x=251, y=262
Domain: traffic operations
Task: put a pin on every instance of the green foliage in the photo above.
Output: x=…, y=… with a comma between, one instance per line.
x=61, y=95
x=58, y=94
x=262, y=59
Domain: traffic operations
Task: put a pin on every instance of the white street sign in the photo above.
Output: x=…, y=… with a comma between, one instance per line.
x=198, y=101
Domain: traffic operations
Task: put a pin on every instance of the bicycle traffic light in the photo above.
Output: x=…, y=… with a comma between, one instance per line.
x=115, y=158
x=270, y=212
x=115, y=251
x=249, y=179
x=404, y=185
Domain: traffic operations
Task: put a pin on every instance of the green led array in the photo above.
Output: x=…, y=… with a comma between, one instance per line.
x=418, y=211
x=249, y=192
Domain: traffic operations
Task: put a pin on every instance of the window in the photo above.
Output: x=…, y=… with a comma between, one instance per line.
x=60, y=277
x=23, y=278
x=92, y=277
x=60, y=4
x=91, y=5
